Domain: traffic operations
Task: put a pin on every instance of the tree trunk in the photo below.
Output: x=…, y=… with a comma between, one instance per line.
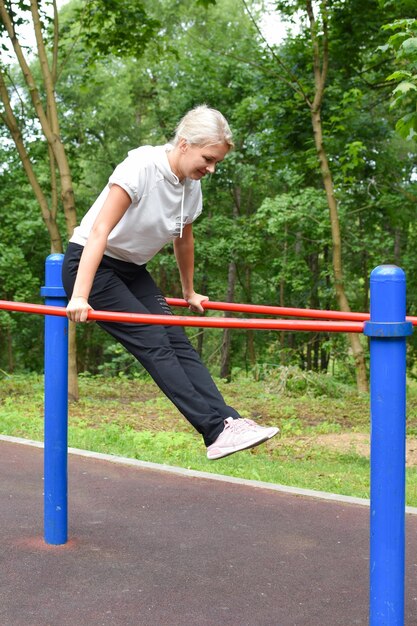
x=283, y=337
x=320, y=67
x=48, y=119
x=10, y=350
x=201, y=333
x=200, y=343
x=354, y=339
x=250, y=333
x=12, y=124
x=225, y=367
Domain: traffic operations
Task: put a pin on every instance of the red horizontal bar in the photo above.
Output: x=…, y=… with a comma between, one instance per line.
x=282, y=310
x=274, y=310
x=222, y=322
x=177, y=320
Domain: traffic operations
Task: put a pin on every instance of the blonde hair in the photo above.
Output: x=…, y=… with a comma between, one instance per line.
x=203, y=126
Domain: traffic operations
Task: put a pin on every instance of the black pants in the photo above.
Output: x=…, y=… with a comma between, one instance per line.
x=164, y=351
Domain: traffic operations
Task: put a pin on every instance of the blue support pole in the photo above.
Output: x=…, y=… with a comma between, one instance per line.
x=387, y=329
x=56, y=408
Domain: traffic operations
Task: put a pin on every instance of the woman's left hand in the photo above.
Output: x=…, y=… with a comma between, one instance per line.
x=195, y=302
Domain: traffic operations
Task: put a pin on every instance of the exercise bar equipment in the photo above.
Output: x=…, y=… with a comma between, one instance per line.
x=387, y=328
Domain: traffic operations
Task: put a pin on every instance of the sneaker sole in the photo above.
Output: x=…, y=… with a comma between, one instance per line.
x=228, y=451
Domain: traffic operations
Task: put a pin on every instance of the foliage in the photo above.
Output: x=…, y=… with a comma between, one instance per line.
x=116, y=27
x=403, y=43
x=265, y=208
x=23, y=242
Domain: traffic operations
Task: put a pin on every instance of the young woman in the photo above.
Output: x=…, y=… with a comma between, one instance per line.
x=153, y=197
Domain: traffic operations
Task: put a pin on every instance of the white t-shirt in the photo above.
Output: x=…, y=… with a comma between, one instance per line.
x=159, y=201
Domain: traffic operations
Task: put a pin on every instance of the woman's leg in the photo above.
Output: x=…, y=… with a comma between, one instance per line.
x=151, y=344
x=167, y=355
x=151, y=297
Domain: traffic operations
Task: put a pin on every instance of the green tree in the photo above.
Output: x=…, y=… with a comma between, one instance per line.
x=403, y=44
x=23, y=240
x=265, y=234
x=40, y=104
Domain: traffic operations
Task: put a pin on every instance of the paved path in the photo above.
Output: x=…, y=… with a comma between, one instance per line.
x=148, y=548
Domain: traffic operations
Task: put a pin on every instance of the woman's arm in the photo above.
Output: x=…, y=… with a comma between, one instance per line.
x=184, y=254
x=112, y=211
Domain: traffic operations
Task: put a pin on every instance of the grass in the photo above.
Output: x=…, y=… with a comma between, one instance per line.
x=132, y=418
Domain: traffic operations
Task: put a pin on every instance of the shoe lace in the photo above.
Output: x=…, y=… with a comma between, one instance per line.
x=241, y=425
x=250, y=423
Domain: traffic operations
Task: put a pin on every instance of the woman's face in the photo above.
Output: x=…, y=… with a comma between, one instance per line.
x=196, y=161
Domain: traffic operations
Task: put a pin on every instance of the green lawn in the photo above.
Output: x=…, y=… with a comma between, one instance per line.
x=131, y=418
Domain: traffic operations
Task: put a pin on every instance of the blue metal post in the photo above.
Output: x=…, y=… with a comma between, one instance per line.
x=388, y=329
x=56, y=408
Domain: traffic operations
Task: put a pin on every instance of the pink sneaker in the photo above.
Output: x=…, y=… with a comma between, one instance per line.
x=270, y=430
x=238, y=434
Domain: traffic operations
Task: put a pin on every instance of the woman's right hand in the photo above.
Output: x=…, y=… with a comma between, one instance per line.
x=77, y=309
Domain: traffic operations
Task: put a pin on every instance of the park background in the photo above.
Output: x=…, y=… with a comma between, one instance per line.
x=320, y=189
